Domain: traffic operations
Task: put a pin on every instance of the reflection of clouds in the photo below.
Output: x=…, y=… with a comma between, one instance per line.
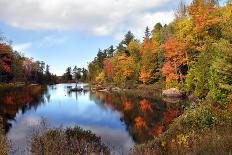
x=66, y=111
x=22, y=130
x=119, y=141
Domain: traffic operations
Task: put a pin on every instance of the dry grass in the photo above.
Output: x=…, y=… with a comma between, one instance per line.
x=4, y=144
x=70, y=141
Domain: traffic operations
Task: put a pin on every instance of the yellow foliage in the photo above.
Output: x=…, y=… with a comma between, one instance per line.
x=100, y=77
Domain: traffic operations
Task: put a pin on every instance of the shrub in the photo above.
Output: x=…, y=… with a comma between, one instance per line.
x=70, y=141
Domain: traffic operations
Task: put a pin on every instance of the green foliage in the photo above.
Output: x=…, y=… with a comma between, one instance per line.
x=134, y=49
x=221, y=72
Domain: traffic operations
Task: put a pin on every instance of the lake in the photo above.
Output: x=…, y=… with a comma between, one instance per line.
x=121, y=120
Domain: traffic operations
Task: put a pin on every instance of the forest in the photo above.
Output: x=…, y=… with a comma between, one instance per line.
x=15, y=67
x=192, y=53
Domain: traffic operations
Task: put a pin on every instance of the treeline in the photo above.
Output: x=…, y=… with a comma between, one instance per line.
x=14, y=67
x=192, y=53
x=74, y=75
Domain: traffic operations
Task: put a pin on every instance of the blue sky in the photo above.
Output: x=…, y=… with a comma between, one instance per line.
x=69, y=32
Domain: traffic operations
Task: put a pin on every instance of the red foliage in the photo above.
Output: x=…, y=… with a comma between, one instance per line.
x=128, y=106
x=5, y=58
x=170, y=115
x=108, y=67
x=9, y=99
x=158, y=130
x=145, y=105
x=140, y=123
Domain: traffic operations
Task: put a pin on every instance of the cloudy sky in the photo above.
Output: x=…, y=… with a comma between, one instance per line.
x=69, y=32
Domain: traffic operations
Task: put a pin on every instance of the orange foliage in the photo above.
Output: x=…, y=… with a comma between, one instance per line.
x=4, y=48
x=140, y=123
x=176, y=56
x=204, y=15
x=154, y=46
x=149, y=45
x=108, y=67
x=145, y=105
x=145, y=46
x=169, y=72
x=145, y=75
x=175, y=51
x=127, y=106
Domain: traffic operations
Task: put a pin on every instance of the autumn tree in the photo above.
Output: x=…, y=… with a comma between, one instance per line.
x=6, y=59
x=149, y=59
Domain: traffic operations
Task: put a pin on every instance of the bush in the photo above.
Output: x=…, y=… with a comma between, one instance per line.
x=70, y=141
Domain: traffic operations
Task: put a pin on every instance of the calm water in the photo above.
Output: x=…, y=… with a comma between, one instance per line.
x=121, y=120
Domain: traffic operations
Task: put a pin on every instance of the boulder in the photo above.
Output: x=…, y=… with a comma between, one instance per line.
x=172, y=92
x=116, y=89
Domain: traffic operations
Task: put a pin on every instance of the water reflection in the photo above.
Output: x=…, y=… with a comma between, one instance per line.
x=20, y=99
x=120, y=119
x=144, y=117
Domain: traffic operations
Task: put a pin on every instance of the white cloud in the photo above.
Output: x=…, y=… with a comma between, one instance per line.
x=98, y=17
x=51, y=40
x=22, y=47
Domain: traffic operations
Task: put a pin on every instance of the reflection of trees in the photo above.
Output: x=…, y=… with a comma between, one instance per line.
x=14, y=100
x=144, y=118
x=98, y=98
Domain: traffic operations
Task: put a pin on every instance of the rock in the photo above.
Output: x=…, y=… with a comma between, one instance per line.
x=116, y=89
x=172, y=92
x=104, y=90
x=77, y=89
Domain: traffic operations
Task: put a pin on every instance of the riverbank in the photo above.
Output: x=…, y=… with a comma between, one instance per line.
x=12, y=85
x=18, y=85
x=205, y=129
x=4, y=143
x=141, y=90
